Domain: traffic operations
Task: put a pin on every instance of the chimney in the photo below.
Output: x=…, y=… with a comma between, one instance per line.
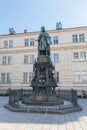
x=25, y=30
x=11, y=31
x=58, y=26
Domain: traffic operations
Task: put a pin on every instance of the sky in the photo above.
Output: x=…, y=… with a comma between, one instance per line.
x=32, y=14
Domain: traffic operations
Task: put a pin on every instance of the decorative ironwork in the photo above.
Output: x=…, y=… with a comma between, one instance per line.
x=15, y=96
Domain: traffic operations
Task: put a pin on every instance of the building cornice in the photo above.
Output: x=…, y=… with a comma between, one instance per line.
x=49, y=31
x=34, y=50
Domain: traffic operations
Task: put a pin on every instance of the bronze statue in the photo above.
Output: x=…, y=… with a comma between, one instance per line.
x=43, y=80
x=44, y=42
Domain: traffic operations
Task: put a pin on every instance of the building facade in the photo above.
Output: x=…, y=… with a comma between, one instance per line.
x=68, y=54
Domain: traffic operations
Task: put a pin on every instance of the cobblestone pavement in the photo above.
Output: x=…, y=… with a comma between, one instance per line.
x=29, y=121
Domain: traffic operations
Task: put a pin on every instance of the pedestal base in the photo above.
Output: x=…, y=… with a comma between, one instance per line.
x=42, y=99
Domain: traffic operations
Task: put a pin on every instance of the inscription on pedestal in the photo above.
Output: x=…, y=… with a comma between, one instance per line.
x=43, y=59
x=39, y=97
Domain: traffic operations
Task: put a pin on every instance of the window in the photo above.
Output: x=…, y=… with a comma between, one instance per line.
x=26, y=59
x=4, y=59
x=5, y=78
x=80, y=77
x=76, y=56
x=8, y=78
x=10, y=43
x=29, y=59
x=82, y=56
x=9, y=59
x=84, y=77
x=55, y=39
x=5, y=44
x=32, y=42
x=25, y=77
x=26, y=42
x=75, y=37
x=77, y=77
x=56, y=58
x=78, y=37
x=81, y=38
x=30, y=76
x=79, y=56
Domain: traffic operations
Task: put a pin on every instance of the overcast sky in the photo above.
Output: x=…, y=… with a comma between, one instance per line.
x=32, y=14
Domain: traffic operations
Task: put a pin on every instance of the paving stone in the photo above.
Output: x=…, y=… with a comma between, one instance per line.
x=31, y=121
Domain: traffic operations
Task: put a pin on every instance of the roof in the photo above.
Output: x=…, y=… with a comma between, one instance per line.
x=54, y=30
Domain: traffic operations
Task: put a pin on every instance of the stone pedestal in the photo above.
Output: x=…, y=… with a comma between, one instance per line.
x=43, y=81
x=42, y=99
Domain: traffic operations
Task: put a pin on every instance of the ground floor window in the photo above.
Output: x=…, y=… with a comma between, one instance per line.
x=80, y=77
x=5, y=77
x=27, y=77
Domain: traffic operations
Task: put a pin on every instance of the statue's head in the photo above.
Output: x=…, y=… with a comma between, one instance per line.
x=42, y=29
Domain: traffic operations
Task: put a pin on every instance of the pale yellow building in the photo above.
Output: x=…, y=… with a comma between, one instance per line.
x=68, y=53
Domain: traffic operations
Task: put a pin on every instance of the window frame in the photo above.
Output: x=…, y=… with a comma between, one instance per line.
x=10, y=43
x=32, y=41
x=4, y=60
x=76, y=56
x=9, y=60
x=55, y=40
x=5, y=78
x=75, y=38
x=26, y=42
x=6, y=44
x=81, y=37
x=56, y=57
